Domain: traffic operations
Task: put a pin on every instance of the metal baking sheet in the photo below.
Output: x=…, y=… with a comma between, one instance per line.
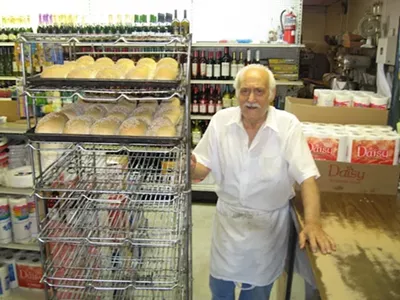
x=112, y=139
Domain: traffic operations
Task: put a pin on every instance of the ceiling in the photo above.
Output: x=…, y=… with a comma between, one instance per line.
x=319, y=2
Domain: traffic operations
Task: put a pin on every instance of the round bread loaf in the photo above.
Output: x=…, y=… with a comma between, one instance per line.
x=56, y=71
x=70, y=113
x=105, y=126
x=165, y=73
x=79, y=125
x=133, y=127
x=72, y=65
x=105, y=61
x=144, y=113
x=173, y=102
x=96, y=111
x=153, y=105
x=82, y=73
x=168, y=61
x=161, y=122
x=85, y=60
x=165, y=131
x=148, y=62
x=124, y=69
x=125, y=61
x=52, y=123
x=129, y=104
x=138, y=72
x=122, y=108
x=109, y=73
x=172, y=113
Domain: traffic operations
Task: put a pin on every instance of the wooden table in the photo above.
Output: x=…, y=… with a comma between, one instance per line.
x=366, y=229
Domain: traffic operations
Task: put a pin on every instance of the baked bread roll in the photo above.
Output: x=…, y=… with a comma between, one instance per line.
x=105, y=126
x=105, y=61
x=120, y=112
x=82, y=73
x=96, y=112
x=144, y=114
x=165, y=131
x=85, y=60
x=70, y=113
x=56, y=71
x=52, y=123
x=173, y=102
x=165, y=73
x=153, y=105
x=125, y=61
x=147, y=61
x=139, y=72
x=133, y=127
x=109, y=73
x=168, y=62
x=129, y=104
x=162, y=127
x=172, y=113
x=79, y=125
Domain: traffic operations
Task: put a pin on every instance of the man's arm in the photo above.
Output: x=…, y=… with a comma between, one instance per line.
x=312, y=230
x=198, y=171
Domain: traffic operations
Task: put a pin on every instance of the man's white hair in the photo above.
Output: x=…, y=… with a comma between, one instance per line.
x=271, y=79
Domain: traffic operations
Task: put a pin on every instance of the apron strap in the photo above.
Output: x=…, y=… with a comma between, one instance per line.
x=240, y=286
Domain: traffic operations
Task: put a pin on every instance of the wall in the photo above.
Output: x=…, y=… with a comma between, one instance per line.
x=313, y=31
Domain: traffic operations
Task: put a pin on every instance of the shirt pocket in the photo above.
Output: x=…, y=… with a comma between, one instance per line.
x=271, y=167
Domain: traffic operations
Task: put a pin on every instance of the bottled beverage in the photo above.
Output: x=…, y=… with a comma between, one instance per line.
x=168, y=24
x=185, y=25
x=226, y=64
x=175, y=24
x=234, y=65
x=226, y=98
x=161, y=24
x=184, y=64
x=196, y=134
x=195, y=100
x=210, y=66
x=217, y=66
x=211, y=102
x=241, y=62
x=203, y=65
x=257, y=59
x=195, y=65
x=203, y=101
x=218, y=99
x=248, y=58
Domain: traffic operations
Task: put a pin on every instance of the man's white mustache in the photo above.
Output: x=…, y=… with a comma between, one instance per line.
x=256, y=105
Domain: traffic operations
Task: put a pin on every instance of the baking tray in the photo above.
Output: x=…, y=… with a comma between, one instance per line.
x=104, y=139
x=61, y=83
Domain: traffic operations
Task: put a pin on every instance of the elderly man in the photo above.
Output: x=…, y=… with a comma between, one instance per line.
x=256, y=153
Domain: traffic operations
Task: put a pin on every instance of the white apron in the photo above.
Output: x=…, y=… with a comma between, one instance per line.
x=249, y=246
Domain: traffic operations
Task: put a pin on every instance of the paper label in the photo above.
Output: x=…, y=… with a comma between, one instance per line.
x=217, y=71
x=323, y=148
x=341, y=103
x=225, y=69
x=195, y=108
x=20, y=212
x=203, y=69
x=29, y=276
x=196, y=137
x=4, y=212
x=358, y=104
x=209, y=71
x=11, y=272
x=373, y=152
x=384, y=106
x=234, y=70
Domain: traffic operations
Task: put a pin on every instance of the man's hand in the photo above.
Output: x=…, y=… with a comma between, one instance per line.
x=317, y=238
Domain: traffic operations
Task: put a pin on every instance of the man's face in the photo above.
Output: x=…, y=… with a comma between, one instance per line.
x=254, y=95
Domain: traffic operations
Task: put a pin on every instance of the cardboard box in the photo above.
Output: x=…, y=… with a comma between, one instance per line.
x=305, y=111
x=347, y=177
x=10, y=110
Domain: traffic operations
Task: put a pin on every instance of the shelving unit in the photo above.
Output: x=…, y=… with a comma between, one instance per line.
x=278, y=82
x=32, y=246
x=244, y=45
x=200, y=117
x=11, y=78
x=121, y=232
x=12, y=128
x=15, y=191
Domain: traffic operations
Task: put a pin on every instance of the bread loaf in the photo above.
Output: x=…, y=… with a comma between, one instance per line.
x=96, y=112
x=79, y=125
x=173, y=102
x=139, y=72
x=109, y=73
x=85, y=60
x=56, y=71
x=105, y=126
x=165, y=73
x=125, y=61
x=133, y=127
x=147, y=62
x=105, y=61
x=82, y=73
x=168, y=61
x=52, y=123
x=172, y=113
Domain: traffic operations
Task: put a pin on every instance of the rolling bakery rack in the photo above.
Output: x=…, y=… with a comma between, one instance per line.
x=114, y=212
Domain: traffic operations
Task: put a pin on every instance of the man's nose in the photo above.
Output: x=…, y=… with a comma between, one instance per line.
x=252, y=98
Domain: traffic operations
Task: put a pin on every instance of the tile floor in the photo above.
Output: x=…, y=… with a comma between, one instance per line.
x=203, y=215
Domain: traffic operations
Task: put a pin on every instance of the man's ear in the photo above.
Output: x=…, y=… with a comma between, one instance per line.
x=272, y=97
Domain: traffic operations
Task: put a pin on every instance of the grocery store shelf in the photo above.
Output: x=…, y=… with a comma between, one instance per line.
x=200, y=117
x=278, y=82
x=245, y=45
x=8, y=77
x=12, y=128
x=203, y=187
x=6, y=44
x=33, y=246
x=15, y=191
x=26, y=294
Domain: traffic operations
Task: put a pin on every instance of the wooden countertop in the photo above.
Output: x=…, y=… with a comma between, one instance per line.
x=366, y=264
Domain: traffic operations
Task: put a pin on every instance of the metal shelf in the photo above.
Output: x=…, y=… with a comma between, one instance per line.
x=15, y=191
x=5, y=44
x=200, y=117
x=32, y=246
x=12, y=128
x=11, y=78
x=244, y=45
x=26, y=294
x=203, y=188
x=278, y=82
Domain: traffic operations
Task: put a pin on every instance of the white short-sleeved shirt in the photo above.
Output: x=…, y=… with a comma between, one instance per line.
x=254, y=185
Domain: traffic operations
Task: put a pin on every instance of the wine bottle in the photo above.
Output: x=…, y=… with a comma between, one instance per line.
x=210, y=66
x=234, y=65
x=257, y=59
x=168, y=24
x=226, y=65
x=195, y=100
x=248, y=58
x=195, y=65
x=211, y=102
x=203, y=101
x=203, y=65
x=241, y=62
x=196, y=134
x=217, y=66
x=175, y=24
x=185, y=25
x=218, y=104
x=226, y=98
